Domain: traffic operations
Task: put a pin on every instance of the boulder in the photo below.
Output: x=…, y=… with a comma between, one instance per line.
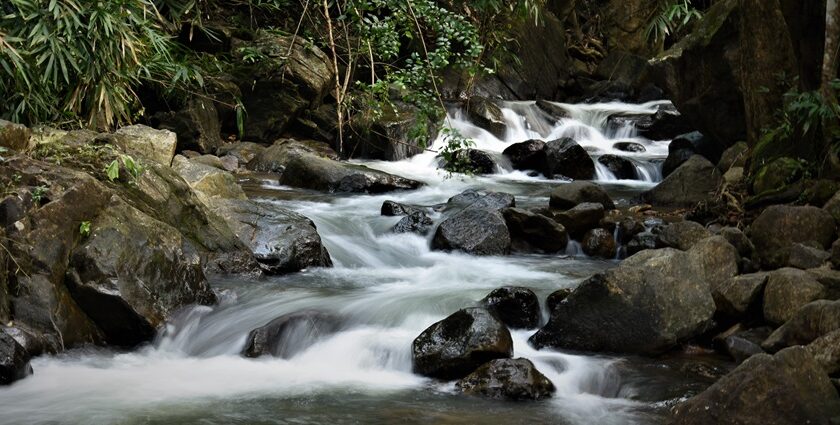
x=516, y=307
x=392, y=209
x=717, y=259
x=787, y=291
x=686, y=145
x=734, y=156
x=739, y=240
x=566, y=158
x=472, y=198
x=507, y=379
x=477, y=231
x=630, y=147
x=485, y=114
x=528, y=155
x=651, y=302
x=475, y=161
x=835, y=254
x=274, y=158
x=833, y=207
x=530, y=231
x=416, y=222
x=826, y=351
x=283, y=83
x=457, y=345
x=14, y=360
x=810, y=322
x=244, y=152
x=555, y=298
x=807, y=257
x=621, y=168
x=599, y=243
x=197, y=125
x=579, y=219
x=643, y=241
x=665, y=125
x=146, y=143
x=683, y=234
x=569, y=195
x=395, y=135
x=208, y=181
x=743, y=345
x=15, y=137
x=132, y=272
x=309, y=171
x=779, y=227
x=788, y=388
x=692, y=182
x=777, y=175
x=740, y=295
x=290, y=334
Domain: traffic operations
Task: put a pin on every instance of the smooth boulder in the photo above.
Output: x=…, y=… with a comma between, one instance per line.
x=528, y=155
x=683, y=235
x=779, y=227
x=694, y=181
x=14, y=360
x=569, y=195
x=290, y=334
x=810, y=322
x=566, y=158
x=310, y=171
x=507, y=379
x=476, y=231
x=457, y=345
x=516, y=307
x=534, y=232
x=621, y=168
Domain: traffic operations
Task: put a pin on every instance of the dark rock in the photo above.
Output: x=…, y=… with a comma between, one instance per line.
x=565, y=157
x=529, y=155
x=529, y=231
x=694, y=181
x=393, y=136
x=515, y=306
x=417, y=222
x=485, y=114
x=312, y=172
x=244, y=152
x=810, y=322
x=683, y=234
x=735, y=156
x=580, y=219
x=507, y=379
x=630, y=147
x=553, y=109
x=777, y=176
x=648, y=304
x=740, y=348
x=806, y=257
x=826, y=351
x=628, y=228
x=788, y=388
x=666, y=125
x=738, y=296
x=494, y=201
x=779, y=227
x=643, y=241
x=555, y=298
x=599, y=243
x=290, y=334
x=622, y=168
x=197, y=126
x=679, y=151
x=14, y=360
x=739, y=240
x=392, y=209
x=457, y=345
x=787, y=291
x=476, y=161
x=476, y=231
x=835, y=254
x=569, y=195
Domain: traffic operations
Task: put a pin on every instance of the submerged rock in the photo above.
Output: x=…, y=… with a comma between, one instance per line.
x=507, y=379
x=290, y=334
x=417, y=222
x=457, y=345
x=622, y=168
x=14, y=360
x=516, y=307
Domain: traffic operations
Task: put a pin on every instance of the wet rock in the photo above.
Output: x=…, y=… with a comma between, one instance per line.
x=476, y=161
x=507, y=379
x=15, y=137
x=580, y=219
x=787, y=291
x=622, y=168
x=692, y=182
x=515, y=306
x=739, y=240
x=682, y=148
x=14, y=360
x=779, y=227
x=740, y=348
x=739, y=295
x=665, y=125
x=392, y=209
x=627, y=228
x=290, y=334
x=395, y=135
x=309, y=171
x=643, y=241
x=683, y=234
x=457, y=345
x=416, y=222
x=565, y=157
x=481, y=200
x=630, y=147
x=648, y=304
x=810, y=322
x=274, y=158
x=599, y=243
x=529, y=231
x=529, y=155
x=485, y=114
x=569, y=195
x=554, y=109
x=197, y=125
x=806, y=257
x=477, y=231
x=555, y=298
x=787, y=388
x=146, y=143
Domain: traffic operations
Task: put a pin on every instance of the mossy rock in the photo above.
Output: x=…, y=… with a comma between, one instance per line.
x=777, y=174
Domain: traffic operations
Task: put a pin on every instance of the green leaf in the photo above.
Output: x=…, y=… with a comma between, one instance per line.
x=113, y=170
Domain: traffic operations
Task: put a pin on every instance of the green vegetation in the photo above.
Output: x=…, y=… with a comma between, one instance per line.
x=671, y=17
x=84, y=229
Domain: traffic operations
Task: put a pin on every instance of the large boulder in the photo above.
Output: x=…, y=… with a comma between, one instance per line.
x=274, y=158
x=530, y=231
x=284, y=81
x=810, y=322
x=477, y=231
x=622, y=168
x=516, y=307
x=487, y=115
x=692, y=182
x=457, y=345
x=683, y=234
x=740, y=295
x=15, y=137
x=507, y=379
x=826, y=350
x=197, y=126
x=566, y=158
x=395, y=135
x=579, y=219
x=313, y=172
x=567, y=196
x=146, y=143
x=788, y=388
x=683, y=147
x=653, y=301
x=599, y=243
x=787, y=291
x=475, y=161
x=528, y=155
x=290, y=334
x=14, y=360
x=208, y=181
x=779, y=227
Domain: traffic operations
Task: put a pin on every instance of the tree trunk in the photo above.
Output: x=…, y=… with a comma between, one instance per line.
x=832, y=45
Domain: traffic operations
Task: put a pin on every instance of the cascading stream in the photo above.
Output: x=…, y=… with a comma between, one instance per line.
x=386, y=288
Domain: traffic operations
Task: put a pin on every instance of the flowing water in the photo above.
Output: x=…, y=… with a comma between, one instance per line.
x=386, y=288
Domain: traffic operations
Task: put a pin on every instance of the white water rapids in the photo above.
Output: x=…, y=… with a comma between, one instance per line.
x=387, y=288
